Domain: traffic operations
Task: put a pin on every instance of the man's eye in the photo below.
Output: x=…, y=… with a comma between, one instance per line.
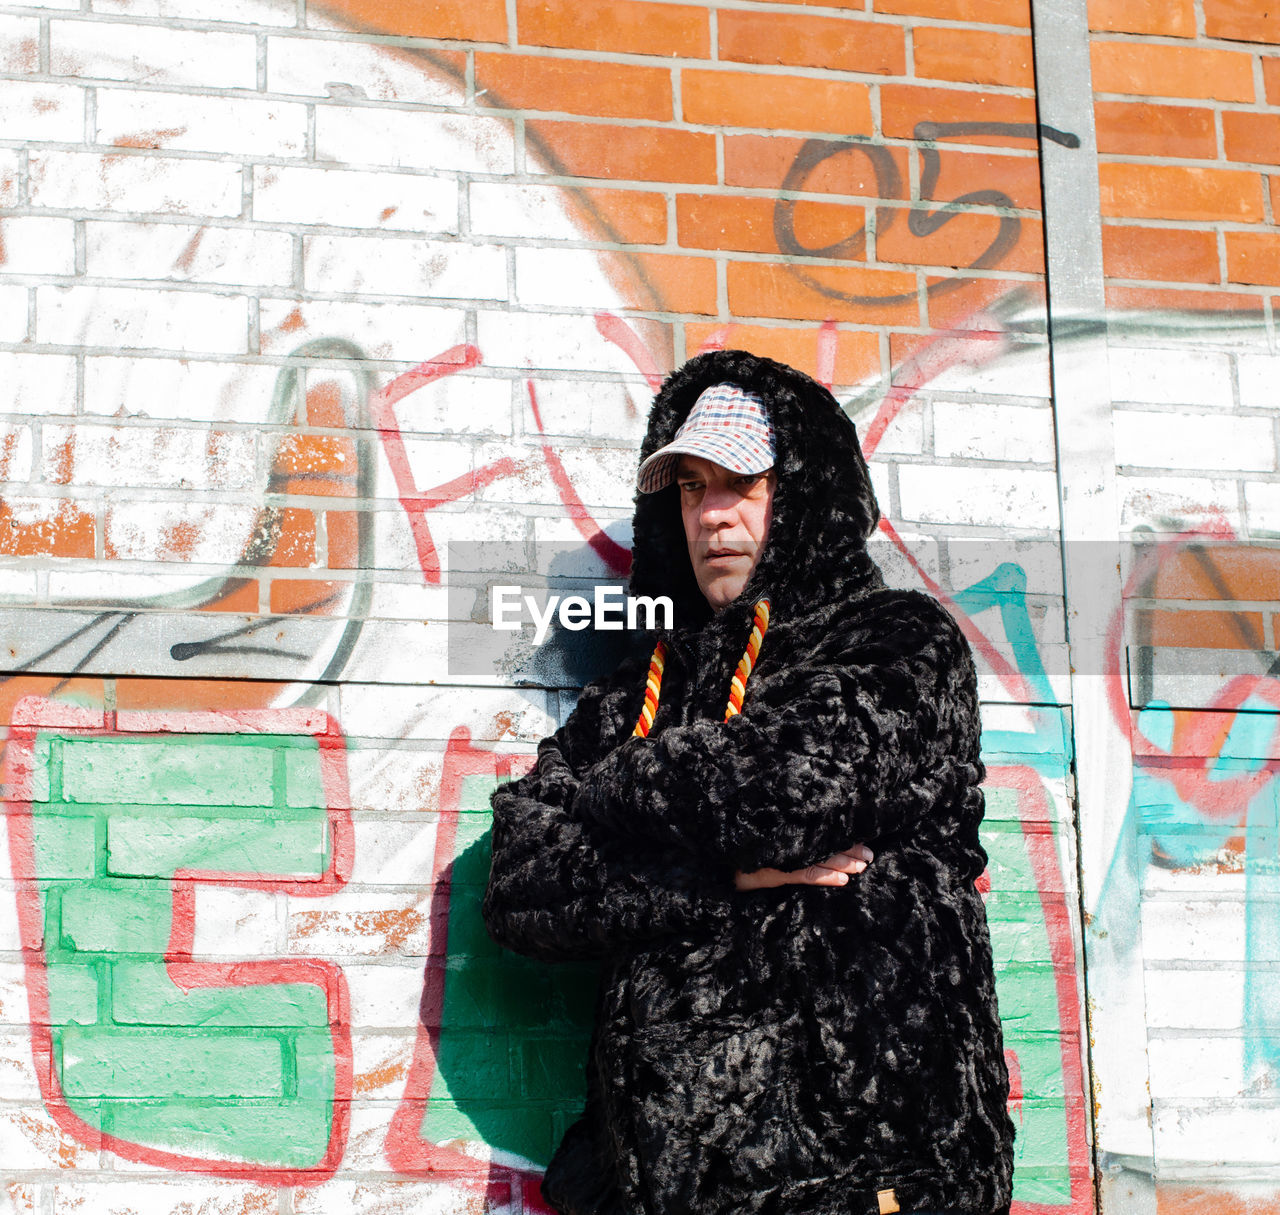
x=688, y=487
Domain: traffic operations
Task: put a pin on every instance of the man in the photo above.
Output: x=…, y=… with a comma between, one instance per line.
x=781, y=1027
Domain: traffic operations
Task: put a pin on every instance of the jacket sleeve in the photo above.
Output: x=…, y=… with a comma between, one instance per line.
x=848, y=748
x=561, y=889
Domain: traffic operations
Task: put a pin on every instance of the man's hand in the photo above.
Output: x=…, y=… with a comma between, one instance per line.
x=834, y=871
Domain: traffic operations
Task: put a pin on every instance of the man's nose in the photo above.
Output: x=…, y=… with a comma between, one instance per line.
x=718, y=504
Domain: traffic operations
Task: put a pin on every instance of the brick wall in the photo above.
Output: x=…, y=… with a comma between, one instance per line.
x=294, y=297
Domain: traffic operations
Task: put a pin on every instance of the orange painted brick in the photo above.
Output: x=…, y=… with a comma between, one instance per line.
x=1152, y=70
x=973, y=12
x=746, y=224
x=89, y=693
x=954, y=301
x=1243, y=20
x=849, y=167
x=636, y=217
x=1251, y=137
x=576, y=86
x=306, y=596
x=1220, y=571
x=860, y=5
x=973, y=56
x=1171, y=300
x=324, y=404
x=65, y=532
x=1173, y=255
x=960, y=173
x=1128, y=128
x=238, y=595
x=840, y=44
x=1173, y=18
x=1273, y=185
x=207, y=694
x=296, y=545
x=903, y=107
x=342, y=534
x=1271, y=78
x=1215, y=630
x=678, y=284
x=962, y=241
x=629, y=153
x=753, y=99
x=473, y=20
x=1178, y=192
x=790, y=291
x=628, y=26
x=852, y=355
x=1253, y=257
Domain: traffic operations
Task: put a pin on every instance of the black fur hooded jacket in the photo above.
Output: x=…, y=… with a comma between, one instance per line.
x=791, y=1051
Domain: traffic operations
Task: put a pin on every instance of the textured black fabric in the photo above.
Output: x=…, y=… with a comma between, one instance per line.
x=787, y=1051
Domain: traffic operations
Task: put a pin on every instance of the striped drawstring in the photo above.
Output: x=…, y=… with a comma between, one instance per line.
x=737, y=686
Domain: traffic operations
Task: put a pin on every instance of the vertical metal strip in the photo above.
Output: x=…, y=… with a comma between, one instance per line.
x=1090, y=514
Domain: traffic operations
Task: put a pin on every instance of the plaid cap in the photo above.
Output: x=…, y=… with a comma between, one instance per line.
x=727, y=426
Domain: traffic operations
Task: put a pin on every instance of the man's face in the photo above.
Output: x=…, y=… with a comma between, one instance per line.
x=726, y=522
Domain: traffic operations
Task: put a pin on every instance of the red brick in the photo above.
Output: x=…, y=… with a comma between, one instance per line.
x=857, y=353
x=627, y=26
x=575, y=86
x=1176, y=192
x=745, y=223
x=1221, y=571
x=1173, y=18
x=953, y=301
x=1271, y=78
x=973, y=56
x=972, y=12
x=629, y=153
x=1171, y=71
x=306, y=596
x=680, y=284
x=1273, y=186
x=1170, y=300
x=754, y=99
x=66, y=532
x=840, y=44
x=188, y=694
x=238, y=595
x=1253, y=257
x=961, y=242
x=1165, y=254
x=1128, y=128
x=637, y=217
x=766, y=160
x=1251, y=137
x=775, y=289
x=296, y=545
x=1215, y=630
x=959, y=173
x=1243, y=20
x=473, y=20
x=904, y=106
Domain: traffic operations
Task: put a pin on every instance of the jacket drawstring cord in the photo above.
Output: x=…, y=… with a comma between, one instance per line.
x=737, y=686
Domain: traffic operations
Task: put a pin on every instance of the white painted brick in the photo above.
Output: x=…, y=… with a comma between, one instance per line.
x=13, y=313
x=600, y=476
x=563, y=278
x=1203, y=930
x=1262, y=503
x=418, y=711
x=384, y=996
x=13, y=982
x=31, y=245
x=91, y=181
x=17, y=586
x=905, y=433
x=245, y=12
x=408, y=332
x=18, y=1080
x=171, y=388
x=592, y=408
x=1259, y=380
x=458, y=404
x=22, y=1198
x=189, y=253
x=38, y=383
x=364, y=265
x=1243, y=1133
x=19, y=44
x=9, y=179
x=15, y=453
x=323, y=67
x=178, y=531
x=1016, y=369
x=126, y=317
x=978, y=496
x=381, y=1064
x=154, y=1196
x=242, y=126
x=1171, y=503
x=30, y=1139
x=154, y=457
x=1194, y=999
x=102, y=586
x=1205, y=1068
x=376, y=1197
x=394, y=852
x=1194, y=442
x=152, y=54
x=343, y=199
x=983, y=431
x=238, y=922
x=498, y=209
x=405, y=601
x=36, y=110
x=1170, y=377
x=540, y=341
x=415, y=139
x=357, y=924
x=880, y=483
